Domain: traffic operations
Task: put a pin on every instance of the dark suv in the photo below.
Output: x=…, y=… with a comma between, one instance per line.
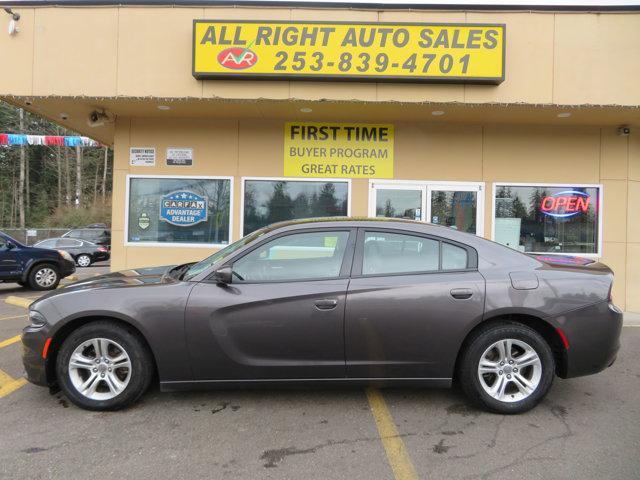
x=99, y=236
x=38, y=268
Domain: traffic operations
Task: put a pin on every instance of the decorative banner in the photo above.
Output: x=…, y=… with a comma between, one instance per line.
x=340, y=150
x=183, y=208
x=428, y=52
x=48, y=140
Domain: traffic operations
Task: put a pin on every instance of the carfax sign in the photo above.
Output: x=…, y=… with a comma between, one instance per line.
x=183, y=208
x=342, y=150
x=427, y=52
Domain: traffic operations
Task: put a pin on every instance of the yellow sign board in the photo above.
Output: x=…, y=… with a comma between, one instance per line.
x=403, y=52
x=338, y=150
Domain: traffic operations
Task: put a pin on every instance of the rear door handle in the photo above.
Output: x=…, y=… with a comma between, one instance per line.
x=461, y=293
x=326, y=304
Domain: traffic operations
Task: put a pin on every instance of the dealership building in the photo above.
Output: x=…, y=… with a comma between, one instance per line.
x=517, y=123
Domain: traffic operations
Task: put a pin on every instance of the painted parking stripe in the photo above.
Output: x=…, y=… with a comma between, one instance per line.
x=8, y=384
x=9, y=341
x=397, y=454
x=13, y=317
x=18, y=301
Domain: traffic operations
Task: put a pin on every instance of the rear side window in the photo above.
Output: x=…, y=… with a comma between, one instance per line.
x=399, y=253
x=396, y=253
x=68, y=242
x=454, y=257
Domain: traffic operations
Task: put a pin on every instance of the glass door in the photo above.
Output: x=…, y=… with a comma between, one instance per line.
x=455, y=206
x=399, y=201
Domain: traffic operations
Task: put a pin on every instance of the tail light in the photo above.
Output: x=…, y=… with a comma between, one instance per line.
x=102, y=249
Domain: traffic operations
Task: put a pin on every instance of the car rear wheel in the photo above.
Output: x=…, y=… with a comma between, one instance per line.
x=44, y=277
x=103, y=366
x=507, y=368
x=83, y=260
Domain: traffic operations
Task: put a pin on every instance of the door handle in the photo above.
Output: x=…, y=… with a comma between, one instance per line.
x=326, y=304
x=461, y=293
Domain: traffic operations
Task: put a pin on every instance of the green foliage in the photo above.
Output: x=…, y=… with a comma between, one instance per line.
x=45, y=204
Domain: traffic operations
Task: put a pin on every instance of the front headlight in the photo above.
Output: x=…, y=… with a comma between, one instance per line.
x=65, y=255
x=36, y=319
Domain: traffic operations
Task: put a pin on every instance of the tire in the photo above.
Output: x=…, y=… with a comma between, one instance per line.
x=517, y=396
x=44, y=276
x=84, y=260
x=102, y=394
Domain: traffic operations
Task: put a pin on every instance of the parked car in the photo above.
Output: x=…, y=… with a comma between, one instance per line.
x=332, y=301
x=37, y=268
x=99, y=236
x=83, y=252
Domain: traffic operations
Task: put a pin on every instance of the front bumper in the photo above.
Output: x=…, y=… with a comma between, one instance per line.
x=593, y=333
x=33, y=340
x=67, y=268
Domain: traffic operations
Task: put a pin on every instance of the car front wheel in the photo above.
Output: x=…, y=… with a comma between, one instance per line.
x=83, y=260
x=44, y=277
x=507, y=368
x=103, y=366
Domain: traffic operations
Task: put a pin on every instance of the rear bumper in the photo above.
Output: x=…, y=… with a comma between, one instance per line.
x=35, y=366
x=593, y=334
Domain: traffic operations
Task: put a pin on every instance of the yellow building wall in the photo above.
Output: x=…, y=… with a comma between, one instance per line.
x=552, y=57
x=489, y=153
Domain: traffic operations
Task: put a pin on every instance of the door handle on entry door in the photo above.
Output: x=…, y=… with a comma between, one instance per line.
x=461, y=293
x=326, y=304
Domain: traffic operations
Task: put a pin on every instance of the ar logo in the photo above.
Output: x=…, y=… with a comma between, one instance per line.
x=237, y=58
x=144, y=221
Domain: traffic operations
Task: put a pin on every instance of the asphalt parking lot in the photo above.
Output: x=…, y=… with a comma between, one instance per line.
x=587, y=428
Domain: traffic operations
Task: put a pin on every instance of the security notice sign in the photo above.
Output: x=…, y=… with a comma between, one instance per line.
x=427, y=52
x=341, y=150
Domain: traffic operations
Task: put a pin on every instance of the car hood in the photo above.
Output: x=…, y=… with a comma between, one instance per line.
x=133, y=277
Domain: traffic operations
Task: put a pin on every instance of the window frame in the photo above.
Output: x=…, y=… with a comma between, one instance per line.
x=345, y=268
x=243, y=181
x=358, y=259
x=127, y=243
x=600, y=188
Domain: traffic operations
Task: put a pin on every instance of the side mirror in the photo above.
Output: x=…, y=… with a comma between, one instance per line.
x=10, y=245
x=224, y=275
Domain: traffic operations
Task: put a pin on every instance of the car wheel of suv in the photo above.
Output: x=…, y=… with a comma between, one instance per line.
x=103, y=366
x=83, y=260
x=44, y=277
x=507, y=368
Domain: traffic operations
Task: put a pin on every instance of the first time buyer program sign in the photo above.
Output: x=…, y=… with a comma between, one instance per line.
x=338, y=150
x=425, y=52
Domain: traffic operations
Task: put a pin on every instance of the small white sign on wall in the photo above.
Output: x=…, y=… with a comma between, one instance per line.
x=179, y=157
x=142, y=157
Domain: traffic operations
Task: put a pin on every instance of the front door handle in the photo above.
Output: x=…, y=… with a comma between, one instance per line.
x=461, y=293
x=326, y=304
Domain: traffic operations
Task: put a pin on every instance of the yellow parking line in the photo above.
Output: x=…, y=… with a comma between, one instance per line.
x=397, y=455
x=13, y=317
x=9, y=341
x=18, y=301
x=9, y=384
x=73, y=278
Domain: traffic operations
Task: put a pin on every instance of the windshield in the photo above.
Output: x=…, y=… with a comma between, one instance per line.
x=201, y=266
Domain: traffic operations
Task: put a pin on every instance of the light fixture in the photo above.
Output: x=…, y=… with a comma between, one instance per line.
x=437, y=113
x=306, y=110
x=164, y=107
x=564, y=114
x=64, y=116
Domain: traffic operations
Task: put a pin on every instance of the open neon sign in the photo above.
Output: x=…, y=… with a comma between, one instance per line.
x=565, y=204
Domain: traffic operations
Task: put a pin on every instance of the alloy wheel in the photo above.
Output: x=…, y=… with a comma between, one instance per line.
x=100, y=369
x=45, y=277
x=510, y=370
x=84, y=260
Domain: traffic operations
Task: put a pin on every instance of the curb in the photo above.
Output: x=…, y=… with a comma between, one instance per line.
x=18, y=301
x=73, y=278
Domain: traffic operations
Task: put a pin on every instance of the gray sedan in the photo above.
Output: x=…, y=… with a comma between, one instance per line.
x=331, y=301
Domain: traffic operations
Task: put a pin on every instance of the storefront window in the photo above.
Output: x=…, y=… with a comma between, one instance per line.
x=557, y=219
x=270, y=201
x=179, y=210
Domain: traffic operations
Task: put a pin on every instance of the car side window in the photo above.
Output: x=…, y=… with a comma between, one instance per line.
x=47, y=244
x=3, y=243
x=299, y=256
x=68, y=242
x=454, y=257
x=386, y=253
